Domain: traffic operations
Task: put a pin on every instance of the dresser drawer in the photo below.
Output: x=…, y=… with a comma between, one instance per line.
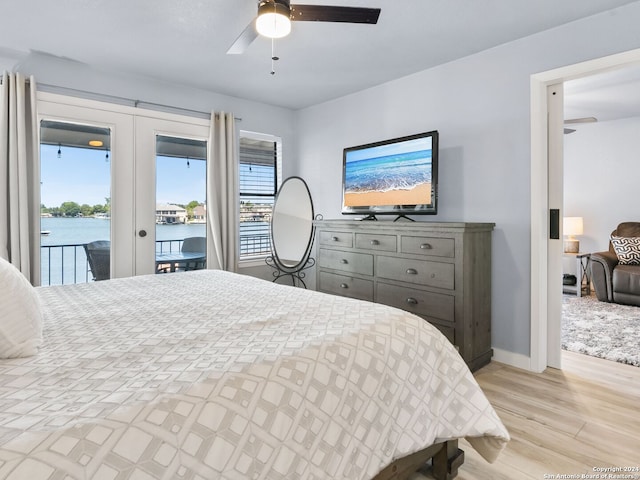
x=427, y=304
x=336, y=239
x=346, y=261
x=448, y=332
x=345, y=286
x=384, y=243
x=433, y=246
x=421, y=272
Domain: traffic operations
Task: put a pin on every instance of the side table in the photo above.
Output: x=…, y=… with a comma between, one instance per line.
x=583, y=275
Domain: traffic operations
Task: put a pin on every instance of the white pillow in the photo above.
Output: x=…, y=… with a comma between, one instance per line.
x=20, y=314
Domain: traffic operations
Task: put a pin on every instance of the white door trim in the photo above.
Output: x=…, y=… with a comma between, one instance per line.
x=540, y=272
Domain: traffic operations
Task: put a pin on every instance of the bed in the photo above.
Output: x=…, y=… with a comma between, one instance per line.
x=214, y=375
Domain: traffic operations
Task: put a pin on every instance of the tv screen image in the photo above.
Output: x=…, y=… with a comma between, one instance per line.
x=397, y=176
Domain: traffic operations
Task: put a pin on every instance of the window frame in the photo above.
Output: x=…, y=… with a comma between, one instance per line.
x=255, y=260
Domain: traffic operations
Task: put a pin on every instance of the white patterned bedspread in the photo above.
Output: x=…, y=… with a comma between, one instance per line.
x=213, y=375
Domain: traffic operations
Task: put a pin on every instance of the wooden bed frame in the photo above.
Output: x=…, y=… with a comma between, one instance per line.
x=445, y=458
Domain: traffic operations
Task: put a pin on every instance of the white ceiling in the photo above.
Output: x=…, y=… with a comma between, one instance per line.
x=605, y=96
x=185, y=41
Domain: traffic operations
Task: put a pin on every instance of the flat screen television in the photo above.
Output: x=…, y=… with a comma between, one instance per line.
x=392, y=177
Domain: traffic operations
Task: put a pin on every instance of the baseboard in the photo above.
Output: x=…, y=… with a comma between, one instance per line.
x=512, y=359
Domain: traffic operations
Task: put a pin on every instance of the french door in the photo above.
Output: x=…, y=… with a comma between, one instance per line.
x=148, y=153
x=170, y=198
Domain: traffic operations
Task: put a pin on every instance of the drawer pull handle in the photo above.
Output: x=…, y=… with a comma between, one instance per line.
x=375, y=242
x=412, y=271
x=412, y=301
x=344, y=261
x=344, y=285
x=425, y=246
x=335, y=239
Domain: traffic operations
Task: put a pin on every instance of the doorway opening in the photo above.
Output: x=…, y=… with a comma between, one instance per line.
x=546, y=252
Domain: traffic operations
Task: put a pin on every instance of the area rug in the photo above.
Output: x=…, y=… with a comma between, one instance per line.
x=600, y=329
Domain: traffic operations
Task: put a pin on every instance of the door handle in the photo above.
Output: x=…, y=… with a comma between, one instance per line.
x=554, y=224
x=142, y=233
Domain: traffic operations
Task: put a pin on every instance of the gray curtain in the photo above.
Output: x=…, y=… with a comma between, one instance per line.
x=19, y=175
x=222, y=194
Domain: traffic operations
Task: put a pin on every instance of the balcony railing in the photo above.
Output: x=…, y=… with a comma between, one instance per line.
x=63, y=264
x=67, y=264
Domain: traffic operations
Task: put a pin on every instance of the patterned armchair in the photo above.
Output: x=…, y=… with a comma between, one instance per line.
x=616, y=272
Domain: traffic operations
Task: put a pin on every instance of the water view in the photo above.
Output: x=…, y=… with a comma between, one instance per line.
x=67, y=231
x=76, y=199
x=65, y=265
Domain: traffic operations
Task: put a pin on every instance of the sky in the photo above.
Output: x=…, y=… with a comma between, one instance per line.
x=423, y=143
x=84, y=176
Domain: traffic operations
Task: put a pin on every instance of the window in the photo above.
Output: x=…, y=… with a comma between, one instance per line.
x=259, y=173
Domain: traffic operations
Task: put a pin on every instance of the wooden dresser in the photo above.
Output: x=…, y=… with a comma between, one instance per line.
x=439, y=271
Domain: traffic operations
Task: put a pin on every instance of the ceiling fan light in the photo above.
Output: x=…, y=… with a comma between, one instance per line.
x=273, y=20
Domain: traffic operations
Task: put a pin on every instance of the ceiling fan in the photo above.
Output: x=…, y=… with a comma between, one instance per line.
x=275, y=17
x=572, y=121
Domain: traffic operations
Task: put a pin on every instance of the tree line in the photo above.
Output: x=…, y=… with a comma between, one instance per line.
x=73, y=209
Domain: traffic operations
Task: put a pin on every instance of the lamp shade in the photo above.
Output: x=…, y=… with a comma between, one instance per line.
x=572, y=226
x=273, y=20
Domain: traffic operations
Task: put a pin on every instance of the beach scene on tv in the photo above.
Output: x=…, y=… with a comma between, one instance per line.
x=393, y=174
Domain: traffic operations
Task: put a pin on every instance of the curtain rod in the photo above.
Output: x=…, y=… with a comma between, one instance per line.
x=123, y=100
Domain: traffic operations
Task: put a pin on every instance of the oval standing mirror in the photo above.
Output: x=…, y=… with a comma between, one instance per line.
x=292, y=230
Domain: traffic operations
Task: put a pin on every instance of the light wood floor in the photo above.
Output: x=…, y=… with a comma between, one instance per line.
x=560, y=421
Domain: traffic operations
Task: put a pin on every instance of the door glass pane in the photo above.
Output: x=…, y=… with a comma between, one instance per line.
x=181, y=179
x=75, y=202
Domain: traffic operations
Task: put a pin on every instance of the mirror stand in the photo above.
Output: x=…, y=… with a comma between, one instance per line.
x=296, y=274
x=292, y=231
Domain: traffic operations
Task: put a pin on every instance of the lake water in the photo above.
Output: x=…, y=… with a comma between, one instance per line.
x=68, y=265
x=67, y=231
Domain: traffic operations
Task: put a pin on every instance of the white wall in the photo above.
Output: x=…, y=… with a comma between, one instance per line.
x=480, y=105
x=601, y=173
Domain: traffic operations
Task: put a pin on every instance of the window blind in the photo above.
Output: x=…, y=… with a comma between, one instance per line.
x=258, y=185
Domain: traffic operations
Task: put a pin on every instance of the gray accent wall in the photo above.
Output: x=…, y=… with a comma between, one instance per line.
x=481, y=107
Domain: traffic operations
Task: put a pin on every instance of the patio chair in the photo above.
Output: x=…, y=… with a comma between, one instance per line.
x=99, y=258
x=194, y=245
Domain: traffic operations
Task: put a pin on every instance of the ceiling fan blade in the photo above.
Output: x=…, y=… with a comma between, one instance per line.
x=580, y=120
x=247, y=36
x=325, y=13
